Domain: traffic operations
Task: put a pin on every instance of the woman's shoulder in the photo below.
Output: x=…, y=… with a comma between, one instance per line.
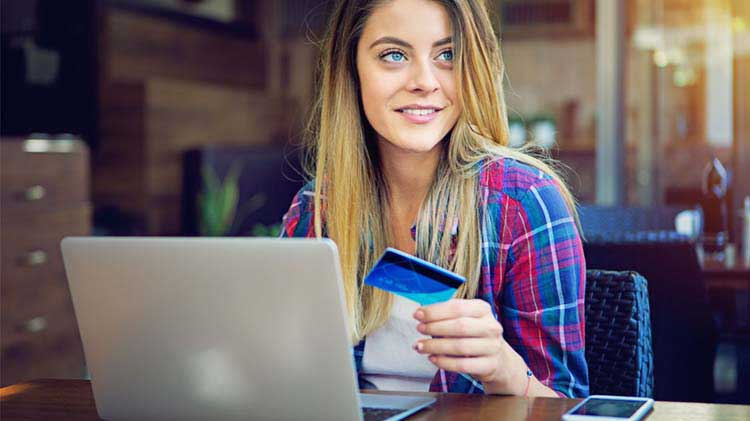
x=308, y=188
x=304, y=197
x=297, y=221
x=535, y=193
x=511, y=177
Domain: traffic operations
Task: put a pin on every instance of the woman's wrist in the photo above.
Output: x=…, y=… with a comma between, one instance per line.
x=512, y=378
x=517, y=380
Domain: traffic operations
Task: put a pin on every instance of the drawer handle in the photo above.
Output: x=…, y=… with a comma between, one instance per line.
x=37, y=324
x=35, y=258
x=34, y=193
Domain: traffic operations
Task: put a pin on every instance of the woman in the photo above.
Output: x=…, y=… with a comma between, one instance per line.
x=409, y=150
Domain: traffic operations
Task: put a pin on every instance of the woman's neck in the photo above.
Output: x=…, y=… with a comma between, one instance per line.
x=408, y=175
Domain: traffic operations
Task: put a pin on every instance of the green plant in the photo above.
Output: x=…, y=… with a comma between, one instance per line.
x=217, y=203
x=219, y=207
x=261, y=230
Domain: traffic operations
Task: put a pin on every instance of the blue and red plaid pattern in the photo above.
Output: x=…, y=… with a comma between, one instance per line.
x=533, y=274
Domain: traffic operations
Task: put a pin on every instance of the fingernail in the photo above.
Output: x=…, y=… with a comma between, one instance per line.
x=419, y=315
x=433, y=359
x=421, y=327
x=420, y=346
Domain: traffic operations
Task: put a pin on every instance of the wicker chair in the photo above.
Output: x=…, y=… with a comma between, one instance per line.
x=684, y=334
x=618, y=334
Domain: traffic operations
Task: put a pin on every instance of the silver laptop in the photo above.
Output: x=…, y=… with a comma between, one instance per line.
x=220, y=328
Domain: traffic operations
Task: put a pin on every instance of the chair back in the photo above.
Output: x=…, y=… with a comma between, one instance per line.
x=618, y=334
x=684, y=332
x=614, y=223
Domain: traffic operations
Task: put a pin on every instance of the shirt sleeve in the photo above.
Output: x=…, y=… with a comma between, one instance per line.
x=541, y=301
x=298, y=220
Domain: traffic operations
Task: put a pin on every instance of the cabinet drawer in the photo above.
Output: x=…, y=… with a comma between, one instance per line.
x=52, y=351
x=30, y=243
x=32, y=274
x=23, y=232
x=38, y=320
x=43, y=180
x=25, y=291
x=31, y=310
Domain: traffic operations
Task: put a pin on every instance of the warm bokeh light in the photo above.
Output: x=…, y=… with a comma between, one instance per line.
x=10, y=391
x=740, y=25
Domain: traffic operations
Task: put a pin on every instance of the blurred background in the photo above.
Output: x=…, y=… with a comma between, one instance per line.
x=184, y=117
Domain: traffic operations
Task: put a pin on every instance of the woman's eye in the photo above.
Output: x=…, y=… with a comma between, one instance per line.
x=446, y=55
x=395, y=56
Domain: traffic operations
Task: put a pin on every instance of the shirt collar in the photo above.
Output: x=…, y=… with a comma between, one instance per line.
x=454, y=229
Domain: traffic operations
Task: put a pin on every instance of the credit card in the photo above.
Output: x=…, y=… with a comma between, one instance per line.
x=413, y=278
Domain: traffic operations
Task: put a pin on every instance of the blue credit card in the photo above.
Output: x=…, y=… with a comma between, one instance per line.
x=413, y=278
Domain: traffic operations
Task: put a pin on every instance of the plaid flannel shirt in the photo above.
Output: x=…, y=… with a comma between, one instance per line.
x=533, y=274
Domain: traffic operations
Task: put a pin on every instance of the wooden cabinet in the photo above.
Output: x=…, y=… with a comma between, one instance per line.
x=45, y=197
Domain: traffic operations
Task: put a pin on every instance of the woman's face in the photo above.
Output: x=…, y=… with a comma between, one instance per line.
x=405, y=68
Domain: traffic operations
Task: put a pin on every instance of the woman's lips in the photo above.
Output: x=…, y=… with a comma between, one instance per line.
x=419, y=118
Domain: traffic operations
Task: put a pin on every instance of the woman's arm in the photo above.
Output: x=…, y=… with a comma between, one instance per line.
x=541, y=302
x=540, y=306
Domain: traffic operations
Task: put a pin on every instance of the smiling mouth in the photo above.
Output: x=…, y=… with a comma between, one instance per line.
x=419, y=110
x=419, y=115
x=427, y=111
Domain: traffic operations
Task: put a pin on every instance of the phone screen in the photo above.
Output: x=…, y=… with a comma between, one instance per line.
x=609, y=408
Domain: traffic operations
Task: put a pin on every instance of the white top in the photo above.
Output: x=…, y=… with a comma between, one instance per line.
x=389, y=361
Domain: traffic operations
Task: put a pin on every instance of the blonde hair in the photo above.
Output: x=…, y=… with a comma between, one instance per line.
x=350, y=195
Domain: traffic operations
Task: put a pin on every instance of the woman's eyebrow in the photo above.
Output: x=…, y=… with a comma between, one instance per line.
x=398, y=41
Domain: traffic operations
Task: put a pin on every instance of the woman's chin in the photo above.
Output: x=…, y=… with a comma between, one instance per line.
x=416, y=145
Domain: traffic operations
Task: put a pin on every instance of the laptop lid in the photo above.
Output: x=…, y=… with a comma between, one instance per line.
x=215, y=328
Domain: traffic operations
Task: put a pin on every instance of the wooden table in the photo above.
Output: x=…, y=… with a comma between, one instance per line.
x=720, y=275
x=728, y=287
x=731, y=273
x=73, y=400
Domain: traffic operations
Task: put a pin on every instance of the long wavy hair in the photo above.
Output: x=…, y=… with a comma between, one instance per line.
x=350, y=199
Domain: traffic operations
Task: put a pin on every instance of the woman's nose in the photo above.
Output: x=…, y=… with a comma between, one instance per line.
x=422, y=77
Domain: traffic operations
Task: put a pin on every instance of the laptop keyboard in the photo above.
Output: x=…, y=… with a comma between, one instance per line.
x=379, y=414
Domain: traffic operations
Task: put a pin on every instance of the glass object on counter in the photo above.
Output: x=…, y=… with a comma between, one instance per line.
x=543, y=131
x=517, y=130
x=714, y=202
x=690, y=223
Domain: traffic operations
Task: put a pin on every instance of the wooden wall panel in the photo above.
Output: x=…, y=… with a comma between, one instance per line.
x=187, y=115
x=118, y=162
x=148, y=127
x=165, y=85
x=139, y=46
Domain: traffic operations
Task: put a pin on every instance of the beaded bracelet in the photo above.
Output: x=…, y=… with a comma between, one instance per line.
x=529, y=374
